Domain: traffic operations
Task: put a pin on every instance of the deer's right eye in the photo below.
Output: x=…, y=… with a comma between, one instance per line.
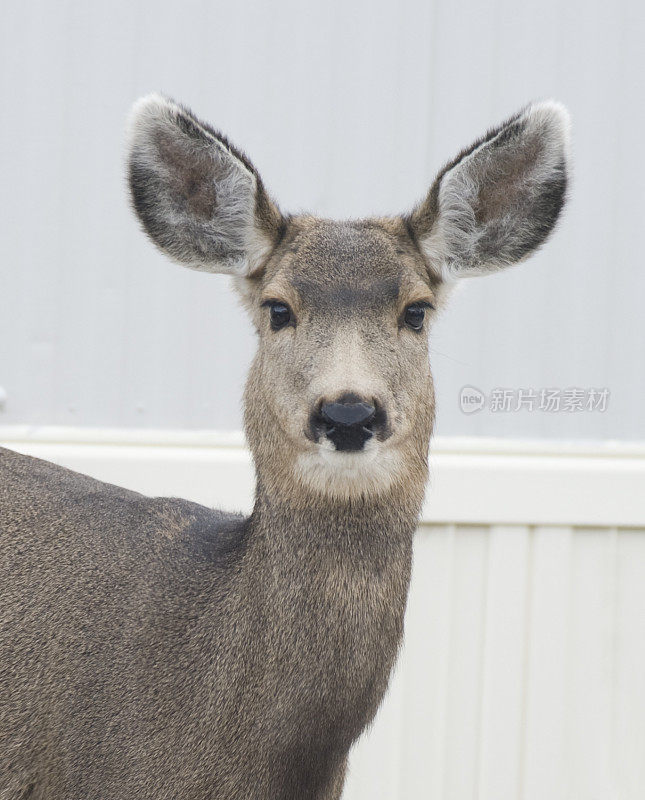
x=280, y=315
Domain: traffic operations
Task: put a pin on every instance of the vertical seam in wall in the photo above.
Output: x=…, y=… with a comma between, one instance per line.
x=482, y=664
x=614, y=533
x=451, y=646
x=526, y=660
x=568, y=666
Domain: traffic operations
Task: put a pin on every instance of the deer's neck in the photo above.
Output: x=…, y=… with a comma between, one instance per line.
x=335, y=581
x=362, y=534
x=338, y=551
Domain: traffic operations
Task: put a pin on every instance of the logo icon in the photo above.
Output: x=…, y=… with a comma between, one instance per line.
x=471, y=399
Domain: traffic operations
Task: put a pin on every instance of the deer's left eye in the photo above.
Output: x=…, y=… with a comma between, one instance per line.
x=414, y=316
x=280, y=314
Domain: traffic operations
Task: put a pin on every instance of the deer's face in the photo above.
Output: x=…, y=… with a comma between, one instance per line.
x=342, y=371
x=340, y=399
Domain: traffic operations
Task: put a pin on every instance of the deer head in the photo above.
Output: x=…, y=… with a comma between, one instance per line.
x=339, y=400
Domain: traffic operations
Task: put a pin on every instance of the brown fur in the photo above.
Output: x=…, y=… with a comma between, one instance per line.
x=157, y=649
x=162, y=650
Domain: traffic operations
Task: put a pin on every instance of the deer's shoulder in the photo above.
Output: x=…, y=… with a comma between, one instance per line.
x=43, y=500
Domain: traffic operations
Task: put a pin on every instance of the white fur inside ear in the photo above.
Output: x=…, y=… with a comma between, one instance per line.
x=552, y=119
x=533, y=148
x=194, y=196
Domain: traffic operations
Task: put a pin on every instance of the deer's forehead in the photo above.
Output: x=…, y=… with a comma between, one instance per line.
x=343, y=266
x=345, y=295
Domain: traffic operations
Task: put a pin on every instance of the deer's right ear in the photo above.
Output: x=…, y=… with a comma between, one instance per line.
x=199, y=199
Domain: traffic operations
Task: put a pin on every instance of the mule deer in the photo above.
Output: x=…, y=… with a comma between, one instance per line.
x=154, y=648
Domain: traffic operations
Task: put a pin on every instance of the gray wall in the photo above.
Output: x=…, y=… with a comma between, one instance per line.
x=347, y=108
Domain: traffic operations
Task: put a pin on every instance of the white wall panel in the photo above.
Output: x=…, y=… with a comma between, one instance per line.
x=348, y=108
x=532, y=689
x=504, y=661
x=544, y=735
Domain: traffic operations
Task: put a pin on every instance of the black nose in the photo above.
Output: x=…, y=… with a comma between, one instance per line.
x=348, y=414
x=348, y=422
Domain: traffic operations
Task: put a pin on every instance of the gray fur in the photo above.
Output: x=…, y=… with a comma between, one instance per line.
x=156, y=649
x=198, y=198
x=498, y=200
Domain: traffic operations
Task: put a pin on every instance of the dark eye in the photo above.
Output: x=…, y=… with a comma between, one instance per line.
x=414, y=316
x=280, y=315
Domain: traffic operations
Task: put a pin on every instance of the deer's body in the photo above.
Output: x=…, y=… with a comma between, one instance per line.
x=152, y=648
x=199, y=654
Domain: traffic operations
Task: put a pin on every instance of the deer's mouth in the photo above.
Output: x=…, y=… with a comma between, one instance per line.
x=347, y=473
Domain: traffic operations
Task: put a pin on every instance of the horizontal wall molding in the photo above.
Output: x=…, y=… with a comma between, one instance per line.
x=472, y=481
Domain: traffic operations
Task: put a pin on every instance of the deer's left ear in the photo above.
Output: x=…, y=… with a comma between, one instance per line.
x=498, y=200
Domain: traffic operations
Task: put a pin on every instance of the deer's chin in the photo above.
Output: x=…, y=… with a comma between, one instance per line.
x=336, y=473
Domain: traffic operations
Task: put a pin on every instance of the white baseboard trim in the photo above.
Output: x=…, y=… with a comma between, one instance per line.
x=473, y=481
